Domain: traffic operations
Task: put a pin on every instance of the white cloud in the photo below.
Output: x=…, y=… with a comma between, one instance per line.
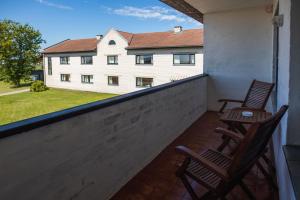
x=154, y=12
x=60, y=6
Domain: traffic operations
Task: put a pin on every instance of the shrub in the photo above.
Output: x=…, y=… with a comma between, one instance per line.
x=38, y=86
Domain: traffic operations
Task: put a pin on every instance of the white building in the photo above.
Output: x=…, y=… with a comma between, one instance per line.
x=122, y=62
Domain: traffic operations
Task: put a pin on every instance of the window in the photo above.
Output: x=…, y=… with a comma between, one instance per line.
x=144, y=82
x=112, y=60
x=113, y=80
x=64, y=60
x=144, y=59
x=86, y=60
x=49, y=66
x=181, y=59
x=111, y=42
x=87, y=79
x=65, y=77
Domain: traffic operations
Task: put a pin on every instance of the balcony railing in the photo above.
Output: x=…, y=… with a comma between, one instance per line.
x=94, y=149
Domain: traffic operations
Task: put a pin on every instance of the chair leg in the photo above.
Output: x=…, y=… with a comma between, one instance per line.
x=241, y=128
x=267, y=175
x=225, y=138
x=189, y=187
x=246, y=190
x=224, y=144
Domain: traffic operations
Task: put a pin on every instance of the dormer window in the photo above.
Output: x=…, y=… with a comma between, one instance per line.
x=111, y=42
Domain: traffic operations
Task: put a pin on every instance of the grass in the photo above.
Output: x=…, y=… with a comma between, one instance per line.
x=6, y=87
x=20, y=106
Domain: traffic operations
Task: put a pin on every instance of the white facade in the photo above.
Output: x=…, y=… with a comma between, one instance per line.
x=162, y=70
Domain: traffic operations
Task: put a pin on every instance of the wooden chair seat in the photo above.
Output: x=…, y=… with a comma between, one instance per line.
x=204, y=176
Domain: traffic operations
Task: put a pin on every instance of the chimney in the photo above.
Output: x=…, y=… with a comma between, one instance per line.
x=177, y=29
x=99, y=37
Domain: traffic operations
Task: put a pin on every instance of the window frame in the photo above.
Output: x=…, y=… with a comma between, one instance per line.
x=68, y=60
x=140, y=55
x=112, y=42
x=116, y=58
x=82, y=58
x=49, y=66
x=89, y=75
x=190, y=58
x=66, y=75
x=139, y=86
x=113, y=77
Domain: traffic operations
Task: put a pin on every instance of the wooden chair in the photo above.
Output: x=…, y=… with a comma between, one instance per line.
x=220, y=173
x=256, y=98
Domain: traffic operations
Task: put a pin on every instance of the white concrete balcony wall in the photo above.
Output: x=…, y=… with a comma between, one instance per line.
x=93, y=154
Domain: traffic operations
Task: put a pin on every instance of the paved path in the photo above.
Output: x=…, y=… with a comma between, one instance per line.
x=14, y=92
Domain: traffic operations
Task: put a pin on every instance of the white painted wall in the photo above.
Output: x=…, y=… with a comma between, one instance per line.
x=238, y=49
x=162, y=70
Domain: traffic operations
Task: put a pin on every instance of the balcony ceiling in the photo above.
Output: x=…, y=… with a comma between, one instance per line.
x=210, y=6
x=196, y=8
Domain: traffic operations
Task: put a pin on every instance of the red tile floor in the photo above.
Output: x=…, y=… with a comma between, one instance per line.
x=157, y=181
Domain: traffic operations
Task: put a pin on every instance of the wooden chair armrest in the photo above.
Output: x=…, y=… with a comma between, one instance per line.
x=231, y=100
x=206, y=163
x=250, y=109
x=225, y=102
x=235, y=136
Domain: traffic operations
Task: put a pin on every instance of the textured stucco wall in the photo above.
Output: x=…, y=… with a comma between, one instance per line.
x=162, y=70
x=91, y=156
x=237, y=49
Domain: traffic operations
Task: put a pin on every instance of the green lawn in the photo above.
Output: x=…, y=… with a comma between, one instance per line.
x=29, y=104
x=6, y=87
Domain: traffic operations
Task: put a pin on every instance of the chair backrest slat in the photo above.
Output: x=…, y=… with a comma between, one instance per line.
x=258, y=95
x=255, y=142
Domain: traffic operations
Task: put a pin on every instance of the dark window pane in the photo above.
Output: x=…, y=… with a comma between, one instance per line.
x=111, y=42
x=144, y=82
x=49, y=66
x=144, y=59
x=184, y=59
x=113, y=80
x=64, y=60
x=112, y=60
x=87, y=78
x=86, y=60
x=147, y=59
x=65, y=77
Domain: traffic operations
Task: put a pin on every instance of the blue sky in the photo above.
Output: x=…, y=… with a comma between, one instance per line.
x=61, y=19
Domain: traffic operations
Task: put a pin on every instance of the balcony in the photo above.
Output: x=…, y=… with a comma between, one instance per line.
x=120, y=148
x=123, y=148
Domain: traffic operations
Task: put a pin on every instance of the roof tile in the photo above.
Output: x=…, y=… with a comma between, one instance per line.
x=81, y=45
x=185, y=38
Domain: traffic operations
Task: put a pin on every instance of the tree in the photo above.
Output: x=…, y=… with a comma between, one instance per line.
x=19, y=51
